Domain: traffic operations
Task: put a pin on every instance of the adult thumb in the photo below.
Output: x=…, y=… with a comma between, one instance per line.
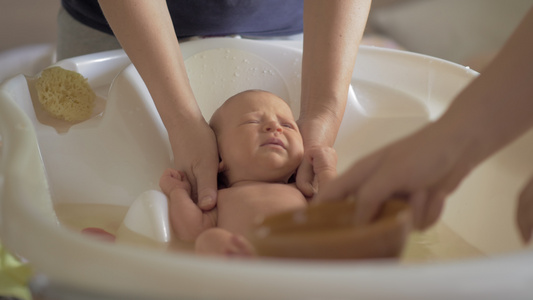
x=206, y=183
x=304, y=178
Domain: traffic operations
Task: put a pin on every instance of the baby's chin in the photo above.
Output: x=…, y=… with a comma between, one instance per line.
x=278, y=161
x=263, y=177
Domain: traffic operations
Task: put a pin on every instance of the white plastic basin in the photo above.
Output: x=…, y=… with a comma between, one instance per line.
x=113, y=158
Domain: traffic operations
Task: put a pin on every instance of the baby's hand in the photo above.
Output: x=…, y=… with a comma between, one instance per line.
x=174, y=179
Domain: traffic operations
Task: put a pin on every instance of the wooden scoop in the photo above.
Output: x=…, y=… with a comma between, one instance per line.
x=327, y=231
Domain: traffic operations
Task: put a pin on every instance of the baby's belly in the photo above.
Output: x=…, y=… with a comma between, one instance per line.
x=238, y=216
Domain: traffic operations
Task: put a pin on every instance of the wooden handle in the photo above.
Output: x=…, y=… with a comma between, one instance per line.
x=327, y=231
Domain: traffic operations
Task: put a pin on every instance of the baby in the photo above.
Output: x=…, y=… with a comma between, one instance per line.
x=260, y=148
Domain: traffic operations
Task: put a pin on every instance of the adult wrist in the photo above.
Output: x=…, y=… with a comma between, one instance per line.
x=319, y=130
x=175, y=115
x=465, y=138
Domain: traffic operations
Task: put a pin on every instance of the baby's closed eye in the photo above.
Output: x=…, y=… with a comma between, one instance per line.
x=251, y=121
x=287, y=125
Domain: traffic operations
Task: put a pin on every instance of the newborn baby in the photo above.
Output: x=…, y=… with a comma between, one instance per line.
x=260, y=149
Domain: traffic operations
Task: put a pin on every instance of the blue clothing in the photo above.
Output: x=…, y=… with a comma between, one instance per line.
x=257, y=18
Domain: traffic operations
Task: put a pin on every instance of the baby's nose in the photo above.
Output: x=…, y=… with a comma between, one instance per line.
x=273, y=127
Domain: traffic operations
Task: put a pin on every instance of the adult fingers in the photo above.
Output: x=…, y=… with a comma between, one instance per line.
x=524, y=214
x=323, y=164
x=523, y=222
x=206, y=182
x=324, y=160
x=305, y=177
x=354, y=183
x=347, y=183
x=417, y=201
x=195, y=153
x=434, y=208
x=381, y=183
x=437, y=196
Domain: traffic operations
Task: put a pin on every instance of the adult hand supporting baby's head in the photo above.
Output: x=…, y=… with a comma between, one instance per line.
x=318, y=167
x=318, y=135
x=195, y=153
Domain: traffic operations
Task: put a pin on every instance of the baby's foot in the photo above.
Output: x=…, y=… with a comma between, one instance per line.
x=240, y=246
x=173, y=179
x=220, y=242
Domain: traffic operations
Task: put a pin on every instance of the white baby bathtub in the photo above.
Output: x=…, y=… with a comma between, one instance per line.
x=113, y=158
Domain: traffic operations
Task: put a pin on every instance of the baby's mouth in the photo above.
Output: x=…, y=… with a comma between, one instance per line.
x=274, y=141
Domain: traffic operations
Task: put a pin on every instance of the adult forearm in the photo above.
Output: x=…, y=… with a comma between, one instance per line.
x=145, y=31
x=332, y=33
x=497, y=106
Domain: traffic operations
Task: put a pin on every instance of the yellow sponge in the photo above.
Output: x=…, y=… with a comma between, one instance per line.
x=65, y=94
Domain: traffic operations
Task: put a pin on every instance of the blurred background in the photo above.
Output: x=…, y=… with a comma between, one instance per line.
x=468, y=32
x=26, y=22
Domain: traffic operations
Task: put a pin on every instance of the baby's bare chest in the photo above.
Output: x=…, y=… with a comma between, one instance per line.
x=238, y=207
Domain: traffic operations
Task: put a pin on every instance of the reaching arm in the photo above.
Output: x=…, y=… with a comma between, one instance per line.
x=498, y=106
x=332, y=33
x=145, y=31
x=425, y=167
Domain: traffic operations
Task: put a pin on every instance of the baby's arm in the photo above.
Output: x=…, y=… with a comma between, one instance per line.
x=187, y=219
x=218, y=241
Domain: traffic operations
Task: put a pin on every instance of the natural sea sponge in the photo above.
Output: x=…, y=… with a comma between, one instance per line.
x=65, y=94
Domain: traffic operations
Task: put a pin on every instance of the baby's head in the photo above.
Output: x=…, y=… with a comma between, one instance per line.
x=258, y=138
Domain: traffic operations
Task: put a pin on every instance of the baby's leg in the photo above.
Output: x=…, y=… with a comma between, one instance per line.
x=218, y=241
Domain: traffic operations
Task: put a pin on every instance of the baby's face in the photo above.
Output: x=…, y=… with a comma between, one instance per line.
x=258, y=138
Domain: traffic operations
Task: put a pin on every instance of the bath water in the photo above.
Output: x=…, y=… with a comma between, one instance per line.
x=439, y=243
x=78, y=216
